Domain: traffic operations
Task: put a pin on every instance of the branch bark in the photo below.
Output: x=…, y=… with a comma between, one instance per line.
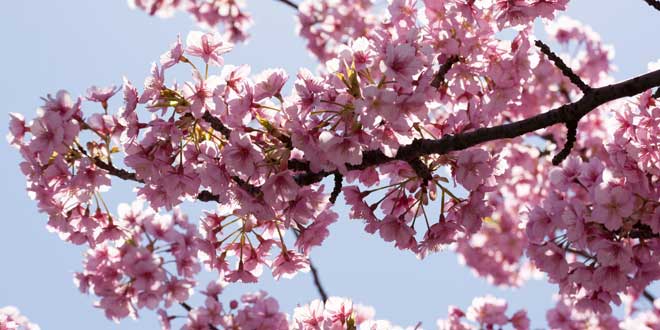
x=565, y=69
x=216, y=124
x=439, y=77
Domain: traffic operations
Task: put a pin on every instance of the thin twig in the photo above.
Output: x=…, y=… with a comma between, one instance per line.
x=571, y=136
x=565, y=70
x=317, y=282
x=315, y=275
x=653, y=3
x=646, y=294
x=188, y=309
x=289, y=3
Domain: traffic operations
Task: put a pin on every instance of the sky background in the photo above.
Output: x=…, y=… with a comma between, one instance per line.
x=73, y=44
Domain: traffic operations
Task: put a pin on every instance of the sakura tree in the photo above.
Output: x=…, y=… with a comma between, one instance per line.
x=438, y=131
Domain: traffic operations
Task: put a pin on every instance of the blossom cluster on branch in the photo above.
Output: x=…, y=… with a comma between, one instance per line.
x=11, y=319
x=437, y=133
x=227, y=14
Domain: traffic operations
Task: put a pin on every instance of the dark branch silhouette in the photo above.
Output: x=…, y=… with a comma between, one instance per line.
x=653, y=3
x=439, y=77
x=289, y=3
x=216, y=124
x=315, y=273
x=571, y=136
x=565, y=70
x=317, y=281
x=337, y=188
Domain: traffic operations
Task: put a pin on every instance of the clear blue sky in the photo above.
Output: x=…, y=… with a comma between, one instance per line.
x=51, y=45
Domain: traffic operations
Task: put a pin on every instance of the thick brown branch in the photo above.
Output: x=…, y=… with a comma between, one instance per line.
x=289, y=3
x=308, y=178
x=117, y=172
x=439, y=77
x=216, y=124
x=207, y=196
x=653, y=3
x=421, y=169
x=571, y=112
x=564, y=114
x=565, y=70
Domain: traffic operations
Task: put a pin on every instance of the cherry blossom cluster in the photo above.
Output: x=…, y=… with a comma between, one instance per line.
x=485, y=313
x=130, y=271
x=229, y=14
x=491, y=254
x=563, y=316
x=649, y=319
x=596, y=232
x=328, y=24
x=254, y=311
x=335, y=313
x=11, y=319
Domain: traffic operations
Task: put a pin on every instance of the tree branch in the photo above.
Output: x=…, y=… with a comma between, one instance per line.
x=317, y=282
x=117, y=172
x=289, y=3
x=653, y=3
x=648, y=296
x=571, y=112
x=216, y=124
x=571, y=136
x=337, y=188
x=439, y=77
x=421, y=169
x=567, y=113
x=565, y=70
x=315, y=273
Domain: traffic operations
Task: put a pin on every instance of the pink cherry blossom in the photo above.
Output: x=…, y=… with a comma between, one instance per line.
x=612, y=205
x=209, y=46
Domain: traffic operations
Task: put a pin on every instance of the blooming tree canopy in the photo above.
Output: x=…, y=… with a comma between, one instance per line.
x=439, y=133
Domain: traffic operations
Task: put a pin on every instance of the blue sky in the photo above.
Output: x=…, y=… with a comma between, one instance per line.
x=52, y=45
